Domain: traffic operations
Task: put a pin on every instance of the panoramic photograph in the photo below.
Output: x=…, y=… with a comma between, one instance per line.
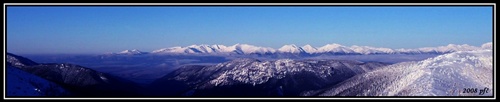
x=248, y=51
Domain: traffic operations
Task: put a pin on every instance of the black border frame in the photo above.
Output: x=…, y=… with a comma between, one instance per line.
x=493, y=6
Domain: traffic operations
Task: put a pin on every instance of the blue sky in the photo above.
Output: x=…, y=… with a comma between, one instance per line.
x=92, y=29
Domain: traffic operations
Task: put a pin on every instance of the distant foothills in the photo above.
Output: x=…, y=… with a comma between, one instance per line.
x=246, y=49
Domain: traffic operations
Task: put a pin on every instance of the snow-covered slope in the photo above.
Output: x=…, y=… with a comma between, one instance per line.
x=261, y=78
x=444, y=75
x=308, y=49
x=19, y=60
x=21, y=83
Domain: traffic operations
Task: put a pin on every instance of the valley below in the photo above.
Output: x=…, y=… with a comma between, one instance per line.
x=250, y=75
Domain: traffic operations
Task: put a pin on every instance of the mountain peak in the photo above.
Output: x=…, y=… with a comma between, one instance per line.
x=335, y=48
x=134, y=50
x=488, y=45
x=131, y=52
x=309, y=49
x=456, y=45
x=238, y=44
x=192, y=45
x=290, y=49
x=307, y=46
x=333, y=45
x=290, y=45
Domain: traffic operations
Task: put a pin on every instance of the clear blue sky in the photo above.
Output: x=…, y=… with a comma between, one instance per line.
x=37, y=30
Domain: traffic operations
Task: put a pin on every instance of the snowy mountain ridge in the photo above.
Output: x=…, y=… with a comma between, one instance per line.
x=258, y=72
x=307, y=49
x=255, y=77
x=74, y=78
x=206, y=49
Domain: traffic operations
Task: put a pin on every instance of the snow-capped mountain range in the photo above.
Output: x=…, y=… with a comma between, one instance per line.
x=216, y=49
x=307, y=49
